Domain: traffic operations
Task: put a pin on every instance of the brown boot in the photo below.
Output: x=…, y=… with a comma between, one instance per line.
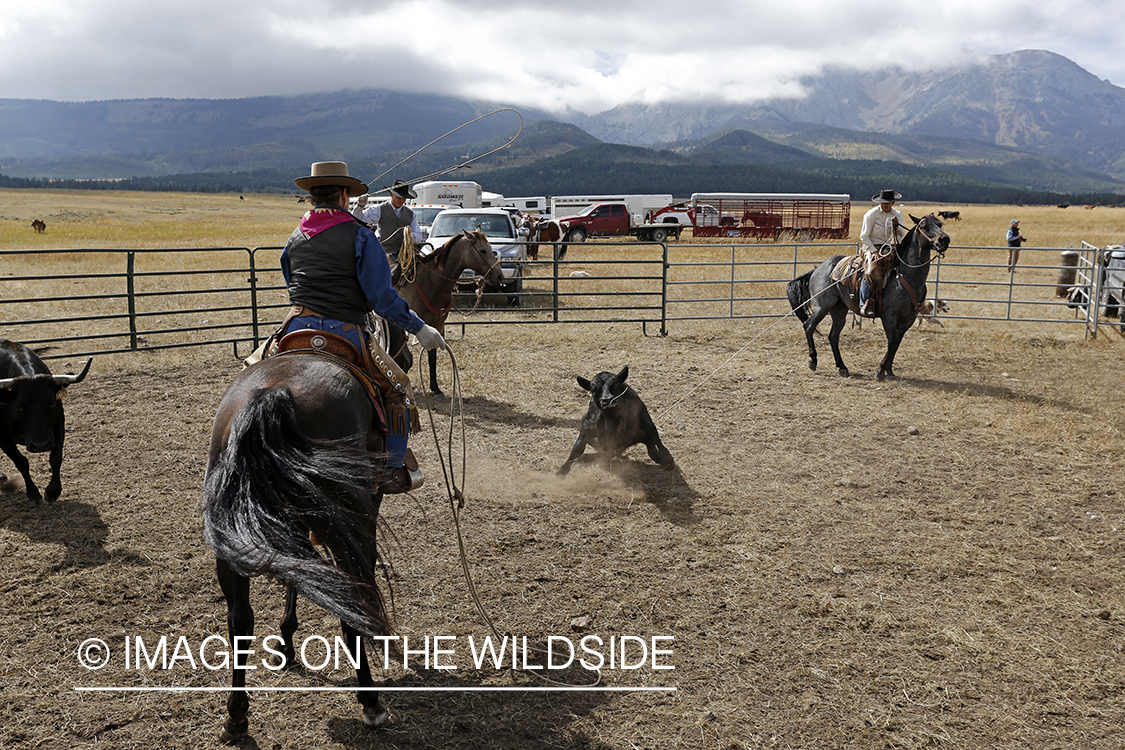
x=395, y=481
x=868, y=309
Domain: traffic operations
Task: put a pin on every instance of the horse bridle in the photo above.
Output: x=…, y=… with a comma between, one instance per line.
x=933, y=243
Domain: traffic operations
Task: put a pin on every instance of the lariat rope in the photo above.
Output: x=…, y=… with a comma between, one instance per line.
x=456, y=498
x=455, y=167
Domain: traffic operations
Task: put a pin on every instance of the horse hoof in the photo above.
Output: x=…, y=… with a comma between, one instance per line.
x=881, y=376
x=284, y=659
x=376, y=717
x=812, y=365
x=844, y=373
x=230, y=736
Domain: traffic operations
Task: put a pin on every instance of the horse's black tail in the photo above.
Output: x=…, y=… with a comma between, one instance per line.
x=800, y=295
x=271, y=487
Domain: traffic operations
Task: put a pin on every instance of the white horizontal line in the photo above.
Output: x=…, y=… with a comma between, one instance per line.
x=369, y=690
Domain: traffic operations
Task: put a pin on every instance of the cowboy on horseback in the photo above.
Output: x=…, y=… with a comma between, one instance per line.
x=336, y=271
x=882, y=231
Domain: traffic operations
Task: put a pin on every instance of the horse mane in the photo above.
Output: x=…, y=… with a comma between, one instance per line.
x=904, y=245
x=437, y=257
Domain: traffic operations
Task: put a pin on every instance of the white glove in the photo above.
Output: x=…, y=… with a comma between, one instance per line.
x=429, y=338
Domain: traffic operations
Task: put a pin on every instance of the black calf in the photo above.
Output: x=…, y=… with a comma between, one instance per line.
x=616, y=420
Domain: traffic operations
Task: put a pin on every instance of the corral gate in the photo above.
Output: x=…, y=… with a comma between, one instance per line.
x=121, y=300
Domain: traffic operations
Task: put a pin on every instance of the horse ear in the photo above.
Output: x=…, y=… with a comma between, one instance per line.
x=623, y=374
x=584, y=383
x=914, y=218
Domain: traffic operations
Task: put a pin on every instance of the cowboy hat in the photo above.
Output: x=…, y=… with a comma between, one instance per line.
x=887, y=196
x=402, y=190
x=331, y=173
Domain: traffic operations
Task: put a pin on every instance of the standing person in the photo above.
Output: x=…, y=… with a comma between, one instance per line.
x=336, y=271
x=1015, y=240
x=393, y=218
x=882, y=230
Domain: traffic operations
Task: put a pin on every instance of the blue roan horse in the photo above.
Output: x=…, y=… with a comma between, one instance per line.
x=817, y=294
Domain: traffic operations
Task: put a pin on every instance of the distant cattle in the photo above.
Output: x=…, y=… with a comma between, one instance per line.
x=954, y=215
x=39, y=226
x=1094, y=205
x=1064, y=205
x=31, y=413
x=615, y=420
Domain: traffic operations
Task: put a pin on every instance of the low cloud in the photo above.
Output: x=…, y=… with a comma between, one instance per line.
x=586, y=56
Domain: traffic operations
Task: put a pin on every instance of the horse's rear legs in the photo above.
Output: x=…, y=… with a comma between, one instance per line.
x=240, y=624
x=374, y=714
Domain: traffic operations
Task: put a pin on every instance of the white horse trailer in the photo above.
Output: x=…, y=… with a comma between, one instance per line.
x=535, y=204
x=436, y=192
x=641, y=205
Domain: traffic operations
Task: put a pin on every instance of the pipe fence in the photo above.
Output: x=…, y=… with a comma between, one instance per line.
x=84, y=302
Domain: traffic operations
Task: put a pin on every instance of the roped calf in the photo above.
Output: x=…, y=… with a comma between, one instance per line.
x=31, y=412
x=615, y=420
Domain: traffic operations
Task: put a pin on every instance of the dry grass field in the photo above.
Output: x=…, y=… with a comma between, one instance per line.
x=930, y=562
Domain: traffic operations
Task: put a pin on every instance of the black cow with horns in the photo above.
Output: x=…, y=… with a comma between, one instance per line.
x=31, y=413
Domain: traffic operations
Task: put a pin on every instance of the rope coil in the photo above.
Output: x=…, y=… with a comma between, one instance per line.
x=457, y=504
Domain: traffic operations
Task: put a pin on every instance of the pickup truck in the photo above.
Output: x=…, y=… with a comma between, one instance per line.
x=689, y=215
x=613, y=220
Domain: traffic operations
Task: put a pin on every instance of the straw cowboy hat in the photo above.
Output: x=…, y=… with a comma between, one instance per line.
x=331, y=173
x=402, y=190
x=887, y=196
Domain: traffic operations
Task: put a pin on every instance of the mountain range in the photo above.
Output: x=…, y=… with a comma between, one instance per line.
x=1028, y=121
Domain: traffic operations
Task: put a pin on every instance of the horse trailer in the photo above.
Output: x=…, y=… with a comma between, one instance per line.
x=535, y=205
x=460, y=194
x=806, y=216
x=641, y=205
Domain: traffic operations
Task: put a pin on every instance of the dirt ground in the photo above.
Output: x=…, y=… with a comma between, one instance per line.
x=934, y=561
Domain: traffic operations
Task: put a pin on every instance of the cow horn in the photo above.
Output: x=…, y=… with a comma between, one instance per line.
x=8, y=383
x=72, y=379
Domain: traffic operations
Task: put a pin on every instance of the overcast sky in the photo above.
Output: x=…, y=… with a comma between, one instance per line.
x=589, y=55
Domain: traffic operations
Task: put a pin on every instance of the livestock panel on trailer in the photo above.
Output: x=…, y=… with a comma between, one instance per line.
x=767, y=215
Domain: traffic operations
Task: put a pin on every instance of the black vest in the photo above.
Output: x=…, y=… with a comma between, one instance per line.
x=323, y=276
x=393, y=228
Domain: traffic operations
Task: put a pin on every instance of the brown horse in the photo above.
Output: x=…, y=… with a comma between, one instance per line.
x=292, y=460
x=39, y=226
x=543, y=231
x=429, y=289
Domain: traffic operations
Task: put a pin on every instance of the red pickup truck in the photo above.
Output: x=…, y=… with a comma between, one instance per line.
x=613, y=220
